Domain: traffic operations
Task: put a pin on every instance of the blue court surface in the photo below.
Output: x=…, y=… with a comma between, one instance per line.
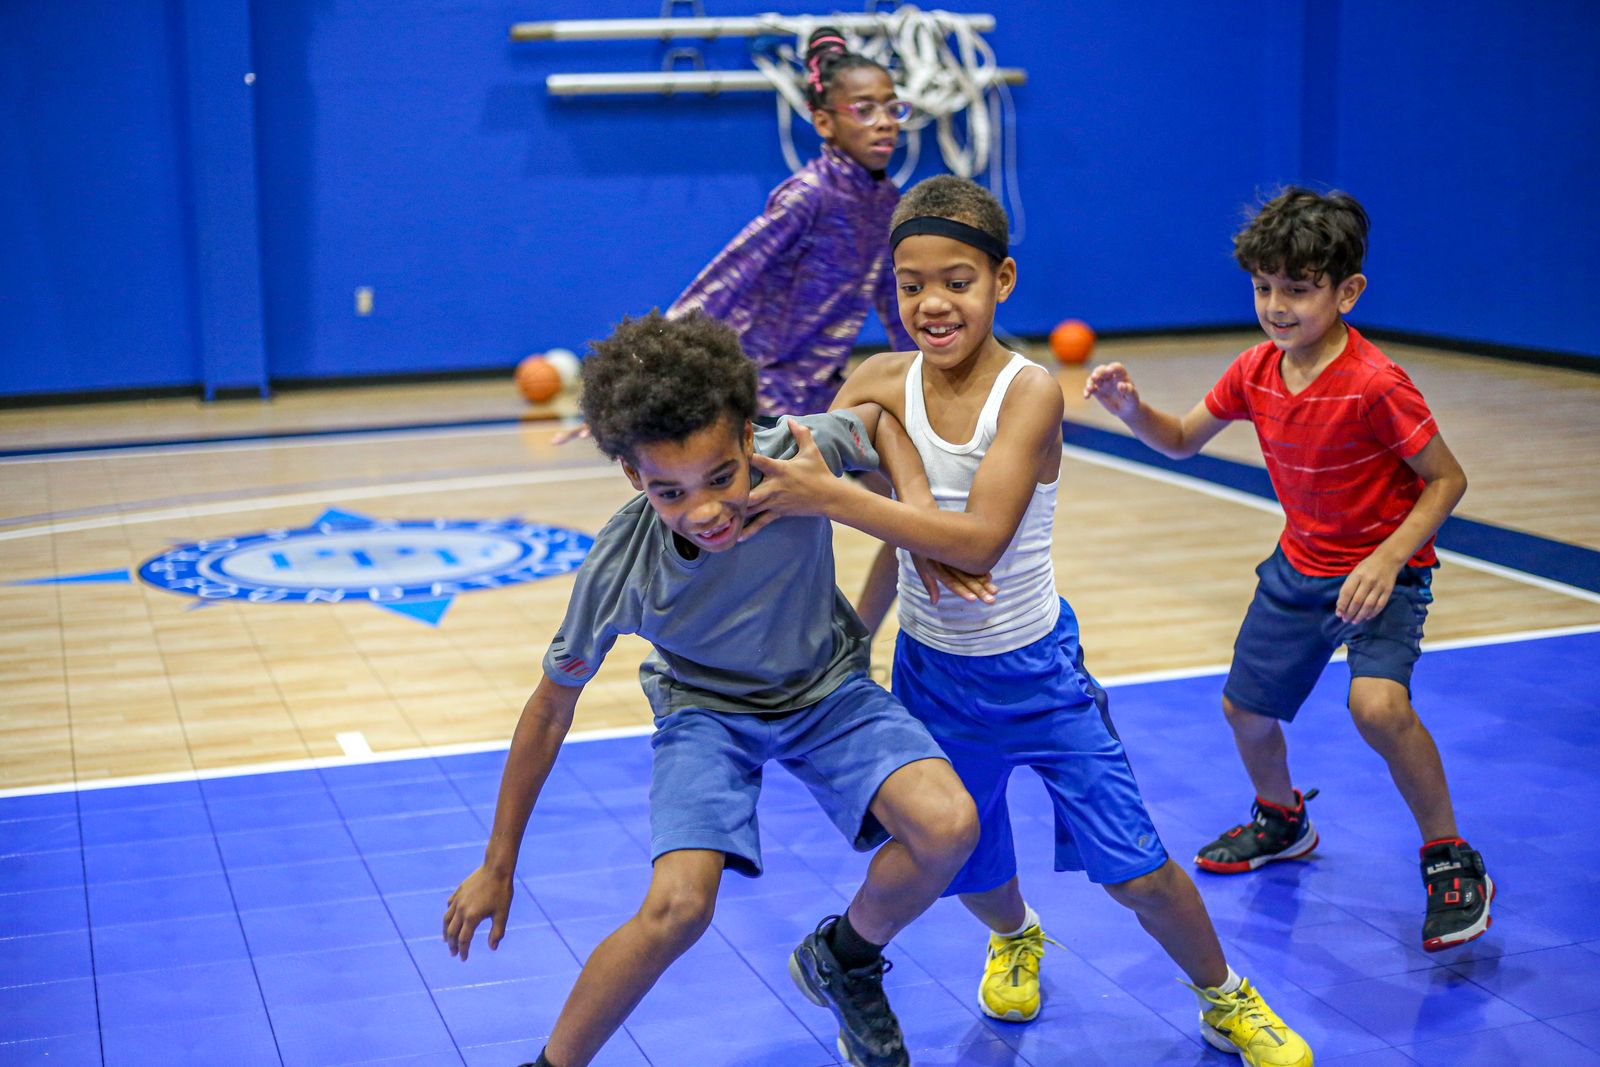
x=293, y=918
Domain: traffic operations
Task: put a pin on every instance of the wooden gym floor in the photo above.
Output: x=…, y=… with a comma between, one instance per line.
x=107, y=677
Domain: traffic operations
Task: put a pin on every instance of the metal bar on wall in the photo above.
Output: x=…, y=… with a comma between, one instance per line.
x=695, y=81
x=704, y=28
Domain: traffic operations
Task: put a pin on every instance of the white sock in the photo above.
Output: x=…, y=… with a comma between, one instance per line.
x=1029, y=918
x=1229, y=985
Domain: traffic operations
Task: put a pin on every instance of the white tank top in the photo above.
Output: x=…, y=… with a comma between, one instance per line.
x=1027, y=606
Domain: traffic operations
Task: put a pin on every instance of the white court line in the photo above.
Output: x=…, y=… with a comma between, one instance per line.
x=642, y=730
x=266, y=443
x=1476, y=564
x=444, y=485
x=320, y=498
x=354, y=743
x=1249, y=500
x=310, y=764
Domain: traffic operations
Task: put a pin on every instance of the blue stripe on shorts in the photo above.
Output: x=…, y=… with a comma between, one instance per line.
x=1035, y=706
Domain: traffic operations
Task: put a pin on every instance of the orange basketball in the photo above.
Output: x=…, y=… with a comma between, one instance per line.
x=537, y=379
x=1072, y=341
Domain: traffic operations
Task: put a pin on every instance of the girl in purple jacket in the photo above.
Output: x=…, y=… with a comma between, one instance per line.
x=796, y=283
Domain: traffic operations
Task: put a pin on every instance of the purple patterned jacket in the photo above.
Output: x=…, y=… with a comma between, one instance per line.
x=797, y=281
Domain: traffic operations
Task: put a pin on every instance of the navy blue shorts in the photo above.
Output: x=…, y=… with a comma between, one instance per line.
x=1033, y=707
x=1290, y=633
x=706, y=768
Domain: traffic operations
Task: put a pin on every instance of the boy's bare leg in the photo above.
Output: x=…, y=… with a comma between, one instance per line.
x=622, y=968
x=1387, y=721
x=1264, y=751
x=935, y=827
x=1001, y=909
x=1170, y=909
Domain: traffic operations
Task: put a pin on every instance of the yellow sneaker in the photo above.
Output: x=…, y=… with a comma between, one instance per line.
x=1010, y=987
x=1240, y=1022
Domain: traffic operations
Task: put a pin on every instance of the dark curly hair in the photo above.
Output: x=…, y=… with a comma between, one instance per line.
x=658, y=379
x=947, y=197
x=827, y=56
x=1301, y=233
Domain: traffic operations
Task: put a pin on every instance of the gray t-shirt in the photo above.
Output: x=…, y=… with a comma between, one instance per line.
x=760, y=627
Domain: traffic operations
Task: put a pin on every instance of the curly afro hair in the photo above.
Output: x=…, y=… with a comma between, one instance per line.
x=658, y=379
x=1301, y=233
x=946, y=196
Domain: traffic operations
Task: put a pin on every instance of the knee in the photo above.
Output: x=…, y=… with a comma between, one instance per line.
x=1382, y=711
x=1247, y=724
x=946, y=830
x=1148, y=891
x=677, y=915
x=1144, y=890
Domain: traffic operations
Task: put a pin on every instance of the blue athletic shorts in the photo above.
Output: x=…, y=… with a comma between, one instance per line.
x=707, y=765
x=1034, y=706
x=1290, y=632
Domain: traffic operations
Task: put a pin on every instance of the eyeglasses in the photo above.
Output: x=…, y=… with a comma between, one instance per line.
x=866, y=112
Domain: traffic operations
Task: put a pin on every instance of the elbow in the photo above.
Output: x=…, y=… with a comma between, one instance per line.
x=967, y=557
x=971, y=562
x=871, y=415
x=980, y=558
x=1450, y=485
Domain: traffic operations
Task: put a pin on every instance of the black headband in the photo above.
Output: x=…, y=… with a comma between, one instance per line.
x=939, y=226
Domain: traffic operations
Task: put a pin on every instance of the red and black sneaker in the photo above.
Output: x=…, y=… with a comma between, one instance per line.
x=1459, y=892
x=1273, y=833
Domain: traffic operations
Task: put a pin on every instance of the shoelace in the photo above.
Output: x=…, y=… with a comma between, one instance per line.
x=1239, y=1005
x=1023, y=945
x=864, y=988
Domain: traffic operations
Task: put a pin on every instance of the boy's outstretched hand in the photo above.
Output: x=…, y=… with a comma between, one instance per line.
x=482, y=896
x=805, y=485
x=1110, y=384
x=571, y=433
x=802, y=485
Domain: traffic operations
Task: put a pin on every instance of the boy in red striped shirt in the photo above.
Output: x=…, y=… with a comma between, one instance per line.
x=1365, y=481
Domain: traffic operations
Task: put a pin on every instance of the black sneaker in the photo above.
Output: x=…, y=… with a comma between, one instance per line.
x=1273, y=833
x=869, y=1034
x=1459, y=892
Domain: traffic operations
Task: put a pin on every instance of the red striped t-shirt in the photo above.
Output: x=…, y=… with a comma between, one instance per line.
x=1335, y=451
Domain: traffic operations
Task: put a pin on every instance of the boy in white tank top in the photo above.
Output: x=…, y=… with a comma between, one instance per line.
x=996, y=672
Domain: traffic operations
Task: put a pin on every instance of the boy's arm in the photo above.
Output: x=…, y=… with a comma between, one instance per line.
x=486, y=894
x=1366, y=589
x=972, y=540
x=1166, y=433
x=903, y=464
x=900, y=461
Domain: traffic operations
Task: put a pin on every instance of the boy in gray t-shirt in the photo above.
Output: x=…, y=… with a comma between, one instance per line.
x=757, y=658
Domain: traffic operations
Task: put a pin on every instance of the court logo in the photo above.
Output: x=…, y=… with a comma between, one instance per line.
x=415, y=567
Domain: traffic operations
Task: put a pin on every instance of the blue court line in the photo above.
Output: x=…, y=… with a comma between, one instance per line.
x=275, y=435
x=1543, y=557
